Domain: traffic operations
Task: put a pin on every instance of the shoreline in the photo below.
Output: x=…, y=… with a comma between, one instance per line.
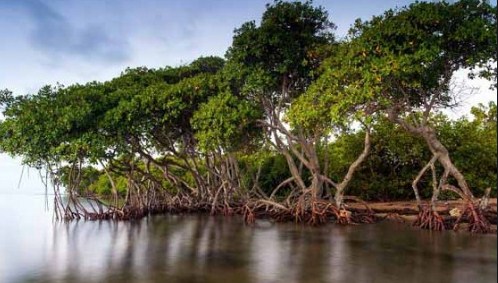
x=321, y=212
x=407, y=211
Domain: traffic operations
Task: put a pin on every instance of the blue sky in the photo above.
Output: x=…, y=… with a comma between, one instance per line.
x=48, y=42
x=77, y=41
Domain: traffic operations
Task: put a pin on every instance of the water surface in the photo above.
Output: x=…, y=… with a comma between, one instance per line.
x=195, y=248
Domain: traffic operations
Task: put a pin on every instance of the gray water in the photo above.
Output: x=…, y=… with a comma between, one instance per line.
x=197, y=248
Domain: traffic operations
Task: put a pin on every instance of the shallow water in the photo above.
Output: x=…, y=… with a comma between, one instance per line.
x=197, y=248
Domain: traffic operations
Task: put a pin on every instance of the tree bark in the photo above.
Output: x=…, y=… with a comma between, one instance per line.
x=430, y=164
x=444, y=159
x=339, y=193
x=437, y=148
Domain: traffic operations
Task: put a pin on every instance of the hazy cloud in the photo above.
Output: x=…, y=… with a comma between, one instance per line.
x=55, y=35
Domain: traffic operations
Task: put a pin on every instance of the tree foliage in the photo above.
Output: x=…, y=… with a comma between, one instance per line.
x=288, y=118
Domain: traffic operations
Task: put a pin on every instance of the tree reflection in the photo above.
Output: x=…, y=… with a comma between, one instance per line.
x=197, y=248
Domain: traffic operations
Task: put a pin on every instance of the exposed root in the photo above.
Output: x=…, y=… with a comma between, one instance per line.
x=315, y=211
x=429, y=219
x=344, y=217
x=322, y=212
x=248, y=215
x=366, y=216
x=303, y=209
x=475, y=218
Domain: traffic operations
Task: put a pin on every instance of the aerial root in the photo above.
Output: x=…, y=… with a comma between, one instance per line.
x=429, y=219
x=317, y=212
x=302, y=209
x=475, y=218
x=367, y=216
x=248, y=215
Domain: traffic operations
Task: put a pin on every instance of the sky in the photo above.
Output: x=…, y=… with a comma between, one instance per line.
x=61, y=41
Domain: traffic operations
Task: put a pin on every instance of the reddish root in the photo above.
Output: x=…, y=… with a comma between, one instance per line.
x=304, y=209
x=317, y=212
x=366, y=216
x=429, y=219
x=344, y=217
x=475, y=218
x=248, y=214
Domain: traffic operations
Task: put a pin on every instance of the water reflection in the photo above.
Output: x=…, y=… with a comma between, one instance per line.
x=215, y=249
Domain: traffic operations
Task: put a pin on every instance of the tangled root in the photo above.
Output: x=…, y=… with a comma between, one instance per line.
x=303, y=208
x=317, y=212
x=344, y=217
x=476, y=219
x=429, y=219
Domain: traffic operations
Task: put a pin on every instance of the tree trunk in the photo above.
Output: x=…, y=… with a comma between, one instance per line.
x=437, y=148
x=316, y=185
x=430, y=164
x=339, y=193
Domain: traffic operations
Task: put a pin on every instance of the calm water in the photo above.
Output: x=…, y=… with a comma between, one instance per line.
x=215, y=249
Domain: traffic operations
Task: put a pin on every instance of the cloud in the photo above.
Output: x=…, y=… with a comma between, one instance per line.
x=54, y=35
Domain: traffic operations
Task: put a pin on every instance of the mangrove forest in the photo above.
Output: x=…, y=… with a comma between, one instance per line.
x=292, y=124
